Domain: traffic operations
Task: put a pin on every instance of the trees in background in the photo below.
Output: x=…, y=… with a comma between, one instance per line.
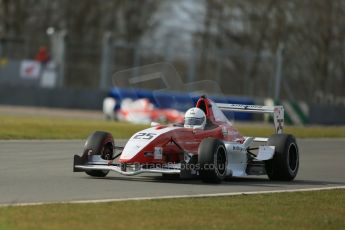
x=23, y=25
x=312, y=33
x=237, y=43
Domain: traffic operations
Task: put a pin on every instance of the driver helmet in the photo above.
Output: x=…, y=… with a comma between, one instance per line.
x=195, y=118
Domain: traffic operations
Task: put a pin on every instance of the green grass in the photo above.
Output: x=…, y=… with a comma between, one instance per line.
x=20, y=127
x=298, y=131
x=300, y=210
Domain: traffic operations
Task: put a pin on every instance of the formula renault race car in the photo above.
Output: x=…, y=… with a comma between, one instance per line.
x=213, y=152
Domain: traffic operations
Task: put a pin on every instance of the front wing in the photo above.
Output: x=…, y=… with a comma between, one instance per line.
x=95, y=162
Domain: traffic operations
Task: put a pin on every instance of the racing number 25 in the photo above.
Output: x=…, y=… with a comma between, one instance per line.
x=144, y=136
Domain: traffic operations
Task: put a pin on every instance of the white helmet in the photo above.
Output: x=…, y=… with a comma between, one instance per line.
x=195, y=118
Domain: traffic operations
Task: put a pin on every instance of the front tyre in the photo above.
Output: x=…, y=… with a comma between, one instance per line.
x=285, y=163
x=212, y=160
x=99, y=143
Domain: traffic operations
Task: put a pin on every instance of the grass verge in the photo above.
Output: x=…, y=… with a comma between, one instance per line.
x=298, y=131
x=300, y=210
x=20, y=127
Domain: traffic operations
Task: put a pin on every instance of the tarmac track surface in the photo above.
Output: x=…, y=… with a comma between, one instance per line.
x=41, y=171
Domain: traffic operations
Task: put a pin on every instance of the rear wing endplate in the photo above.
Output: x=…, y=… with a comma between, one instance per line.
x=277, y=111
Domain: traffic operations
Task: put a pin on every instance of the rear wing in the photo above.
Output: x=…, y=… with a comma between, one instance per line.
x=277, y=111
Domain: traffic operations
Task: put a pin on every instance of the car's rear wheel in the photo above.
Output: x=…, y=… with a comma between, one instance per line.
x=212, y=159
x=99, y=143
x=285, y=163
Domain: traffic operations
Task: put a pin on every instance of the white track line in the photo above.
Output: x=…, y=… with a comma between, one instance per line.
x=174, y=197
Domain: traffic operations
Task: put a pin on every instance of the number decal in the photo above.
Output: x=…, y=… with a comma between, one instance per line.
x=139, y=136
x=144, y=136
x=149, y=136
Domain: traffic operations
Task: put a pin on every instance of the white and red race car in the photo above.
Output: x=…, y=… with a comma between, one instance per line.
x=139, y=111
x=212, y=153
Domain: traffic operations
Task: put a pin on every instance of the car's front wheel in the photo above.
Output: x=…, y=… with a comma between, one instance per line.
x=99, y=143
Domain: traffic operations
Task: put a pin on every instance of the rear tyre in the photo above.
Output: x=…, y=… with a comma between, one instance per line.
x=212, y=160
x=99, y=143
x=285, y=163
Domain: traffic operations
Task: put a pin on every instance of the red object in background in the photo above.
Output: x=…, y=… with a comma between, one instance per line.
x=42, y=55
x=143, y=111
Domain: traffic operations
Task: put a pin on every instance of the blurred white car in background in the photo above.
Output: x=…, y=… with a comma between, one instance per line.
x=139, y=111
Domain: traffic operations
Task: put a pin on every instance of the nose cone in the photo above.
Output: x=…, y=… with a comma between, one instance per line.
x=142, y=142
x=132, y=149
